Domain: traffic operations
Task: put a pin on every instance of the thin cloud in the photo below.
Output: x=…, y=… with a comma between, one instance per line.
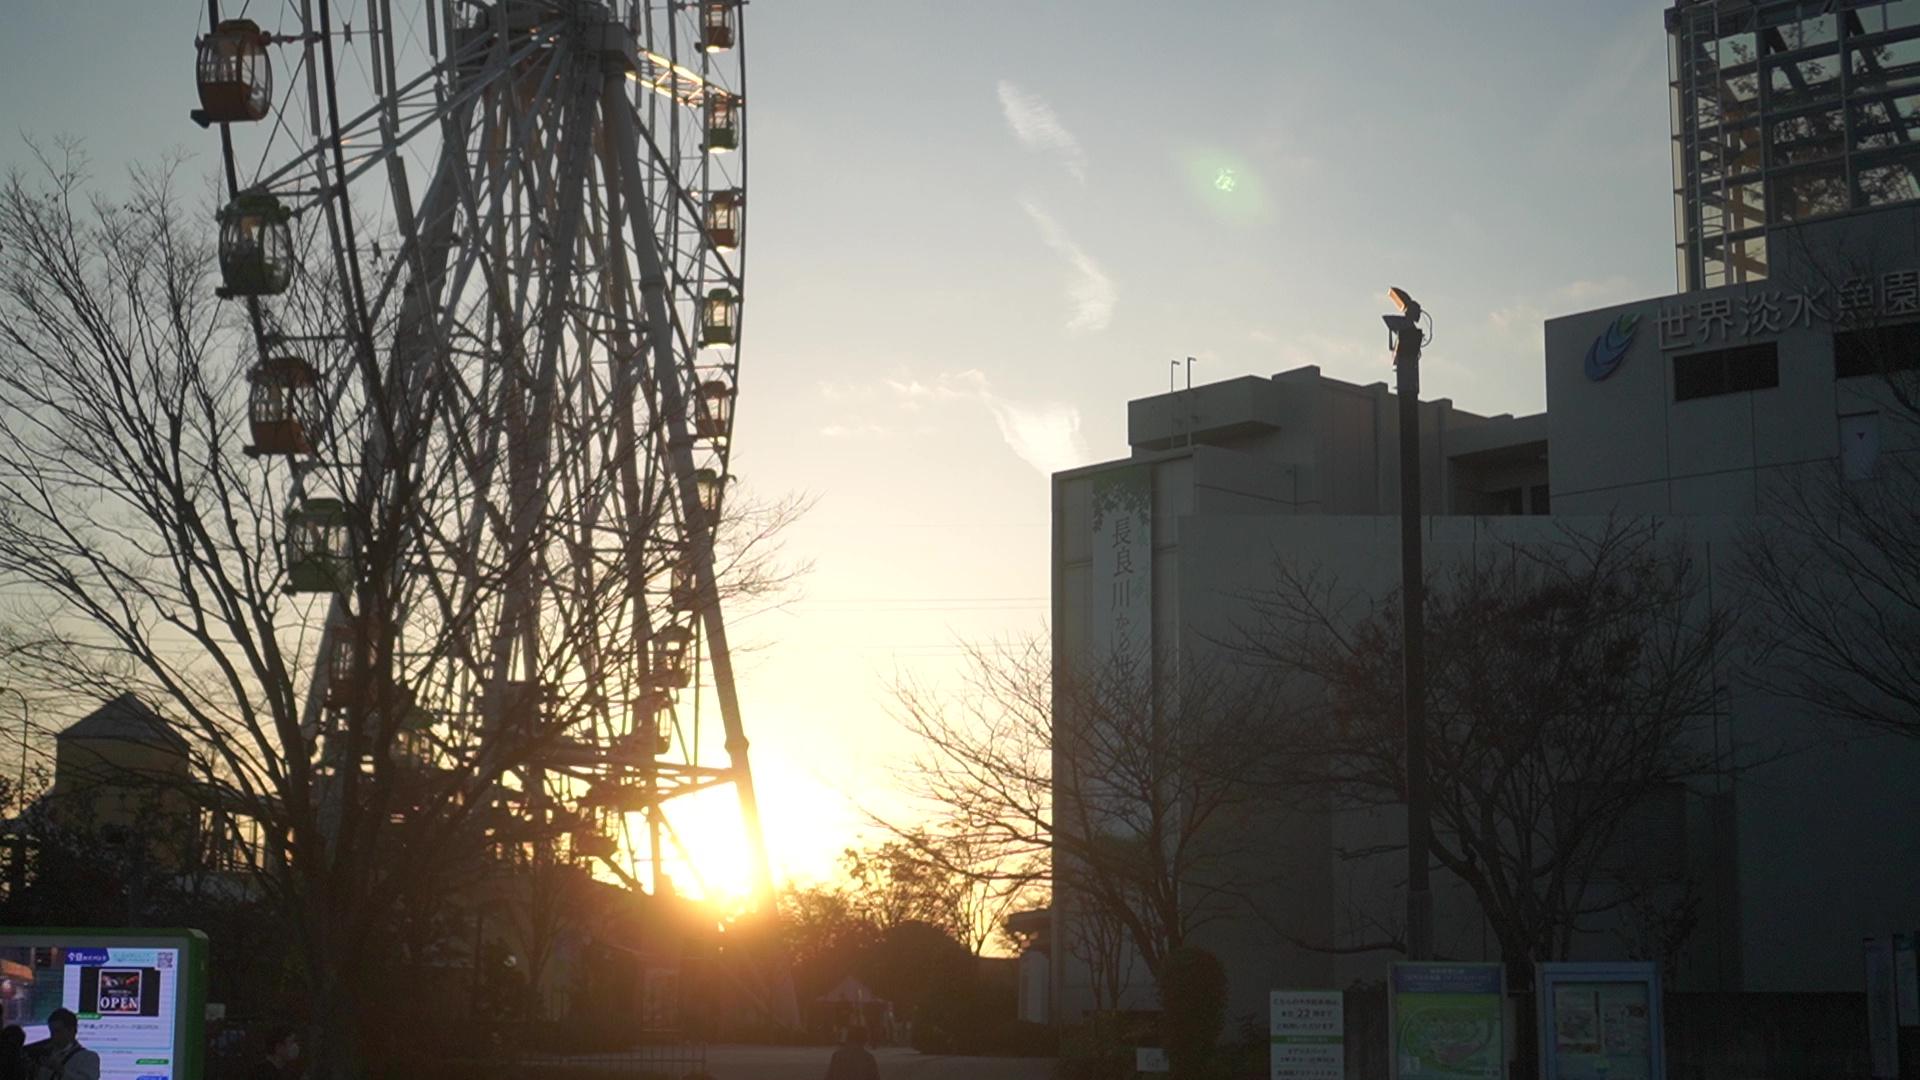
x=1600, y=293
x=1037, y=127
x=949, y=386
x=1517, y=319
x=1091, y=292
x=858, y=432
x=1046, y=437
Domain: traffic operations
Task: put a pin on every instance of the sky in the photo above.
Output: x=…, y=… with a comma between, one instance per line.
x=978, y=229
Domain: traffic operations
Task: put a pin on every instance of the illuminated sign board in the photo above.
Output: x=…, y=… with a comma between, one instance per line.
x=140, y=995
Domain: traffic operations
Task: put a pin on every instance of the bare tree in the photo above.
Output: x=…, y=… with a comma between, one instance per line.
x=368, y=725
x=1570, y=687
x=1831, y=563
x=1123, y=789
x=1097, y=939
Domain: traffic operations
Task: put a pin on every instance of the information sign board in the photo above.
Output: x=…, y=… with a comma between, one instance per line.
x=140, y=995
x=1308, y=1028
x=1446, y=1020
x=1600, y=1021
x=1906, y=979
x=1883, y=1009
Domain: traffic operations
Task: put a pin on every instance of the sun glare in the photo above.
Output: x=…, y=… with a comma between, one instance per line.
x=705, y=853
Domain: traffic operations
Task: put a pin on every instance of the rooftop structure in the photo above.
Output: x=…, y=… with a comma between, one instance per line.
x=1785, y=112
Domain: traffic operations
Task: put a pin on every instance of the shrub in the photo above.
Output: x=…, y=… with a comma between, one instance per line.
x=1193, y=1000
x=1102, y=1048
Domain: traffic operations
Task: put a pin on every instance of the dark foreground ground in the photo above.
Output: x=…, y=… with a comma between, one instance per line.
x=810, y=1063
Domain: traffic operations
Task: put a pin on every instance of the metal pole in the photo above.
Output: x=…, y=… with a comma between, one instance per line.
x=1406, y=363
x=26, y=720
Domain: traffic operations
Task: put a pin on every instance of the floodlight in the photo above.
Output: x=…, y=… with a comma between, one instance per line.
x=1408, y=305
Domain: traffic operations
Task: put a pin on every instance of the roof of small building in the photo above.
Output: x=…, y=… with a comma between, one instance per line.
x=851, y=990
x=126, y=719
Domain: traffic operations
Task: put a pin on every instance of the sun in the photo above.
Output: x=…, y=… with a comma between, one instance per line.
x=704, y=851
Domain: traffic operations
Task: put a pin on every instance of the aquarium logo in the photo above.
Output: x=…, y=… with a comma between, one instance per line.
x=1607, y=350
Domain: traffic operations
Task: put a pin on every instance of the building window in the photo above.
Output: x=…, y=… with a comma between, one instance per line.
x=1859, y=445
x=1540, y=500
x=1726, y=371
x=1876, y=350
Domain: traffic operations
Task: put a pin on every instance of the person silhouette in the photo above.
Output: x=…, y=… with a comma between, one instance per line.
x=61, y=1057
x=852, y=1060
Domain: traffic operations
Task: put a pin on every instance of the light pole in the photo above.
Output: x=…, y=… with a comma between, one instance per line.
x=26, y=718
x=1407, y=338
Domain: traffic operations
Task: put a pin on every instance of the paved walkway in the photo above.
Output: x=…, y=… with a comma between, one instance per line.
x=810, y=1063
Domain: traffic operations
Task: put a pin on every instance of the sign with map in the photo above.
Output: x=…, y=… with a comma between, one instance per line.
x=1446, y=1021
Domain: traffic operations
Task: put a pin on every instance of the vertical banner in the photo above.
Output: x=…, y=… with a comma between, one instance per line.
x=1600, y=1021
x=1308, y=1028
x=1883, y=1025
x=1122, y=584
x=1447, y=1020
x=1120, y=642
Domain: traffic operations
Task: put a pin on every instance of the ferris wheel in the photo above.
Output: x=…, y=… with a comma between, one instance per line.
x=528, y=216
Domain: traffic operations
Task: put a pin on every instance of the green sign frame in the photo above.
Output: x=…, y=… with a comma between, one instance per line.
x=190, y=982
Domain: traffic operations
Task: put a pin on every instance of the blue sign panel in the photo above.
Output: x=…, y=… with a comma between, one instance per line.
x=1446, y=978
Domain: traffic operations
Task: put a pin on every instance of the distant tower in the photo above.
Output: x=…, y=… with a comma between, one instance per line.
x=1785, y=112
x=122, y=768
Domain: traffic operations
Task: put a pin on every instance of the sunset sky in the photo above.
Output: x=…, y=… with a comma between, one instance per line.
x=978, y=228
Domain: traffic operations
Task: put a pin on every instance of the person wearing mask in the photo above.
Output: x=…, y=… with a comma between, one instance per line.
x=283, y=1048
x=62, y=1057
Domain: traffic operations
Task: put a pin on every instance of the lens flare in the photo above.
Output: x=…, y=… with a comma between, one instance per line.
x=1225, y=186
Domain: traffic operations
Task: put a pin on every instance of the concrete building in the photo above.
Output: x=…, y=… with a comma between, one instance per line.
x=1800, y=278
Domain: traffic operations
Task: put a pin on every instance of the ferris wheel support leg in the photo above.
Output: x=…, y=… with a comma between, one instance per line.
x=618, y=118
x=530, y=465
x=626, y=392
x=416, y=340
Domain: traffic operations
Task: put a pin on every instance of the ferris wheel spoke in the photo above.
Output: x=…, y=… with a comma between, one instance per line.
x=653, y=289
x=678, y=211
x=532, y=478
x=364, y=127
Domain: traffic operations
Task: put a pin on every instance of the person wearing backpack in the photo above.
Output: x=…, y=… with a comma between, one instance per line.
x=61, y=1057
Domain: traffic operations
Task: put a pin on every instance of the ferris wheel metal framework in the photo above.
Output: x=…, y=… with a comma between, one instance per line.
x=579, y=232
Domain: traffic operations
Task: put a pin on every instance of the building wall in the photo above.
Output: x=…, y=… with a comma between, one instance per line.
x=1241, y=454
x=1811, y=810
x=1624, y=443
x=1766, y=847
